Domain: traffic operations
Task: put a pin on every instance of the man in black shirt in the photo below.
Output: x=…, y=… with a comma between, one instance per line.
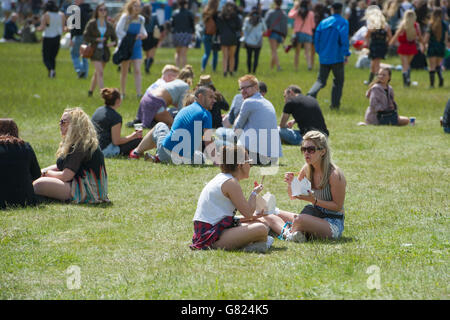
x=306, y=113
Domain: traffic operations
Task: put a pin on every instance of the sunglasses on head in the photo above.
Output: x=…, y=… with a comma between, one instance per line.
x=62, y=121
x=310, y=149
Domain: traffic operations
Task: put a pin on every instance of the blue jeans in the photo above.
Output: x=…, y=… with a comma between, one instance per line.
x=290, y=136
x=447, y=129
x=207, y=43
x=79, y=65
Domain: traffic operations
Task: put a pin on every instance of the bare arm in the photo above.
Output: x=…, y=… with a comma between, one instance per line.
x=394, y=38
x=232, y=190
x=66, y=175
x=284, y=119
x=118, y=140
x=44, y=22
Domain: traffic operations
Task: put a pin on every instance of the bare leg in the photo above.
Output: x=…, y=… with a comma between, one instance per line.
x=52, y=188
x=308, y=224
x=225, y=59
x=137, y=75
x=237, y=237
x=297, y=53
x=231, y=52
x=124, y=66
x=308, y=55
x=93, y=82
x=99, y=73
x=273, y=49
x=147, y=143
x=403, y=121
x=165, y=117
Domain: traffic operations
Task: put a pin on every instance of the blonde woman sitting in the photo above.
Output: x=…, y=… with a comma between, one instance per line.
x=324, y=217
x=79, y=174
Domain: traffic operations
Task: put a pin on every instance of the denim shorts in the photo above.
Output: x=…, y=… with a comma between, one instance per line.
x=336, y=224
x=111, y=150
x=303, y=37
x=276, y=36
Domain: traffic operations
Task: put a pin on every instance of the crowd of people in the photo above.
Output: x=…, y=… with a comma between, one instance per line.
x=182, y=117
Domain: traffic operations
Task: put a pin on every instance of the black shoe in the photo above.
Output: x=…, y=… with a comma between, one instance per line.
x=81, y=74
x=334, y=107
x=90, y=93
x=131, y=124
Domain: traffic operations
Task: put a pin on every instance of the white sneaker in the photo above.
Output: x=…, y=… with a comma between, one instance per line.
x=259, y=247
x=297, y=236
x=269, y=242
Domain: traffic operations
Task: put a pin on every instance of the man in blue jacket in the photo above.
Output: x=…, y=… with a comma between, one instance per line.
x=332, y=45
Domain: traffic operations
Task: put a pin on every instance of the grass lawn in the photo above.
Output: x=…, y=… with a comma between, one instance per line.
x=397, y=203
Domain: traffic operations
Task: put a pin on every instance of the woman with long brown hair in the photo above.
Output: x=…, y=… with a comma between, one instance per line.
x=101, y=35
x=209, y=16
x=436, y=38
x=18, y=167
x=229, y=28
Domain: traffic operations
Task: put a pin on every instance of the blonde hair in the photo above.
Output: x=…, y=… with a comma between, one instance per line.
x=320, y=140
x=128, y=7
x=248, y=77
x=407, y=24
x=375, y=18
x=170, y=67
x=80, y=136
x=186, y=74
x=390, y=8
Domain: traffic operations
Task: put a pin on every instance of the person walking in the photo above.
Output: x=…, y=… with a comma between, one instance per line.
x=332, y=45
x=183, y=29
x=229, y=25
x=52, y=23
x=131, y=22
x=303, y=28
x=80, y=64
x=407, y=34
x=154, y=29
x=100, y=34
x=209, y=17
x=276, y=21
x=253, y=30
x=435, y=39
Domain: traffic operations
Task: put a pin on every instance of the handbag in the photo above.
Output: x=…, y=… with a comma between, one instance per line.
x=387, y=117
x=86, y=51
x=156, y=32
x=268, y=32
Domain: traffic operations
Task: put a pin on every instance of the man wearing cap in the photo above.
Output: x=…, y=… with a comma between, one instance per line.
x=332, y=45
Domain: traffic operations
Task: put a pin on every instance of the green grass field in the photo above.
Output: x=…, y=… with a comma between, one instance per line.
x=397, y=201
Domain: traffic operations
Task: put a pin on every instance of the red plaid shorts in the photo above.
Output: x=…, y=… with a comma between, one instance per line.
x=206, y=234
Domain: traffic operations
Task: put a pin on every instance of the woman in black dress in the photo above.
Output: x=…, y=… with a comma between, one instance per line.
x=154, y=29
x=183, y=29
x=377, y=38
x=229, y=28
x=18, y=167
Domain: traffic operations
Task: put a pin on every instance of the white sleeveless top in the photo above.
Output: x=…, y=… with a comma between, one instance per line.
x=55, y=28
x=212, y=205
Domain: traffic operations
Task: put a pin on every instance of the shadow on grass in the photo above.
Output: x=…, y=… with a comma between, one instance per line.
x=332, y=241
x=45, y=201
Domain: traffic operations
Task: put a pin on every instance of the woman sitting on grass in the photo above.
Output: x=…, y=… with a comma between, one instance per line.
x=382, y=109
x=324, y=217
x=108, y=123
x=79, y=174
x=214, y=223
x=18, y=167
x=154, y=103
